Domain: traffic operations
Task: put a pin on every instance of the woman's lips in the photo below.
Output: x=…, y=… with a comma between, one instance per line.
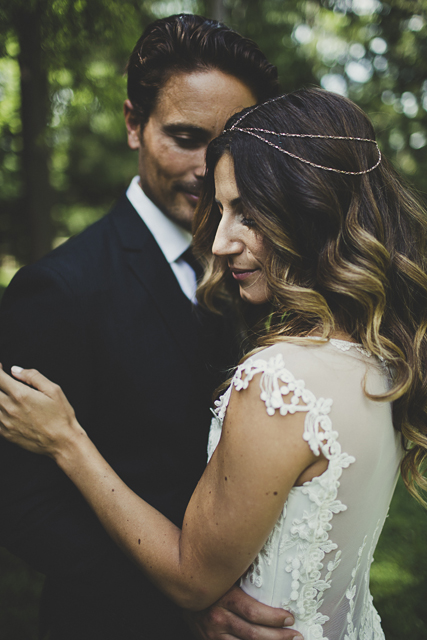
x=241, y=274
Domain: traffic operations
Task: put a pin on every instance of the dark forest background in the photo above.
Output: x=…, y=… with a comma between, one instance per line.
x=64, y=160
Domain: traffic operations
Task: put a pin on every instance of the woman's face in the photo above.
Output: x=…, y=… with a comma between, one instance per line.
x=236, y=237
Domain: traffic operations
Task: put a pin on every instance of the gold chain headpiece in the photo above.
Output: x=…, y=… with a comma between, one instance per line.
x=255, y=132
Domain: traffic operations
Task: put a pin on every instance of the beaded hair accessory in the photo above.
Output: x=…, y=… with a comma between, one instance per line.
x=256, y=133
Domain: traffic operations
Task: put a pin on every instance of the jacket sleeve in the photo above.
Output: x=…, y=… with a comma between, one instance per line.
x=43, y=519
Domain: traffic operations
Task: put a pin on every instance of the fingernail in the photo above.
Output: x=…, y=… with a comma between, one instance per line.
x=289, y=621
x=298, y=637
x=16, y=369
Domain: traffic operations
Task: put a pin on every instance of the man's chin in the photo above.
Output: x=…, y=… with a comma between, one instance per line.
x=182, y=216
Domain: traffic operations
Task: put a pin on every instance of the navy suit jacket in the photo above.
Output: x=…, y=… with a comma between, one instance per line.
x=104, y=317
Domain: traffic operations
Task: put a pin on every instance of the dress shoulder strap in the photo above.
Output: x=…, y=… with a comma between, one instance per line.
x=281, y=391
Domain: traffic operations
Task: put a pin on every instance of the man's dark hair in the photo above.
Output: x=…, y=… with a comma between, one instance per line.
x=186, y=43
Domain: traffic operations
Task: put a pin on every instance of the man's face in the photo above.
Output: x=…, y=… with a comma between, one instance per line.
x=191, y=110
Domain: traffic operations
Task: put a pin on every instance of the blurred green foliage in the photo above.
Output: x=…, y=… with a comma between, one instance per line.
x=83, y=48
x=399, y=572
x=374, y=52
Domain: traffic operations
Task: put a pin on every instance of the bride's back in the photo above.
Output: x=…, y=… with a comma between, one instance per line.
x=317, y=559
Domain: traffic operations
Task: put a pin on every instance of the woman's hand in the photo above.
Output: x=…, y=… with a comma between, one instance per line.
x=38, y=417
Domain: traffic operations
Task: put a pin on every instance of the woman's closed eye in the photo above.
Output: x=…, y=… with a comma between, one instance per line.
x=242, y=215
x=238, y=214
x=247, y=222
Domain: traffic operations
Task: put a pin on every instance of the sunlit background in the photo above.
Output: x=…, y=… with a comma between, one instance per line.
x=64, y=161
x=62, y=139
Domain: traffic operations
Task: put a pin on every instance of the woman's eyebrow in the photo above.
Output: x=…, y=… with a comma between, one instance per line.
x=235, y=204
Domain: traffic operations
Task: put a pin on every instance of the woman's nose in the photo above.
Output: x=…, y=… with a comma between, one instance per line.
x=225, y=242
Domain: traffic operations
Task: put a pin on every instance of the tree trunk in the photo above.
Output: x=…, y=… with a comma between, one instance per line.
x=38, y=197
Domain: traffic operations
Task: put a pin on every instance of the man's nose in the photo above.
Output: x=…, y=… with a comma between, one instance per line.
x=200, y=163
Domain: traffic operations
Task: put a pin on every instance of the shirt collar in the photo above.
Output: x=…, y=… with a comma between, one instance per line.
x=172, y=239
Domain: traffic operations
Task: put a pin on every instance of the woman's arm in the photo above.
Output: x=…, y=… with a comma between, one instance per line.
x=230, y=515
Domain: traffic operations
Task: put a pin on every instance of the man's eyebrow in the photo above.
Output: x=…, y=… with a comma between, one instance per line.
x=185, y=127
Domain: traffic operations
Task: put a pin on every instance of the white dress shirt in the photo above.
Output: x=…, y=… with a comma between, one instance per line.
x=172, y=239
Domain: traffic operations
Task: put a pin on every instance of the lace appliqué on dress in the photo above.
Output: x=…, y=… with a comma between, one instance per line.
x=308, y=544
x=266, y=555
x=370, y=624
x=308, y=541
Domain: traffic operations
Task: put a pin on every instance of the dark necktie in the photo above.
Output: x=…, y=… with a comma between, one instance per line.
x=191, y=260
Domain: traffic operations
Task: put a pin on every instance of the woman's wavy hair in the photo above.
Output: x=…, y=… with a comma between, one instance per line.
x=347, y=252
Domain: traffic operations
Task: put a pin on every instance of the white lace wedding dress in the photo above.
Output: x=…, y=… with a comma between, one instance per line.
x=317, y=559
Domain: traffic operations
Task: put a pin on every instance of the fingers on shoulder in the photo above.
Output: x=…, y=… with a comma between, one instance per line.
x=38, y=381
x=27, y=375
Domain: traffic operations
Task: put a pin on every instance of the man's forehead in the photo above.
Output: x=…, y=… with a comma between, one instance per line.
x=202, y=100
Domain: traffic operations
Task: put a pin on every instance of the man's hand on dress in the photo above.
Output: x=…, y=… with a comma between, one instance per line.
x=238, y=616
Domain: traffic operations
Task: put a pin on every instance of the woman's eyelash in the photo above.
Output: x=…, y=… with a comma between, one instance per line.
x=248, y=222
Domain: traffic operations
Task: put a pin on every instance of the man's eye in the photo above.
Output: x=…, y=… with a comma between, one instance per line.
x=187, y=143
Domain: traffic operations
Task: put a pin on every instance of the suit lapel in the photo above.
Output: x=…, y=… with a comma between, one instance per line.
x=147, y=262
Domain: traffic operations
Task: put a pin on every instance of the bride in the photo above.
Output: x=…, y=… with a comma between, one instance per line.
x=299, y=211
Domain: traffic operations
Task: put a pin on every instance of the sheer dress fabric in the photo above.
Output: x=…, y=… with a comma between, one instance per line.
x=317, y=559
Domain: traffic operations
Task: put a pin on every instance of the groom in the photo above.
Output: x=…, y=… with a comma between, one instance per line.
x=110, y=316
